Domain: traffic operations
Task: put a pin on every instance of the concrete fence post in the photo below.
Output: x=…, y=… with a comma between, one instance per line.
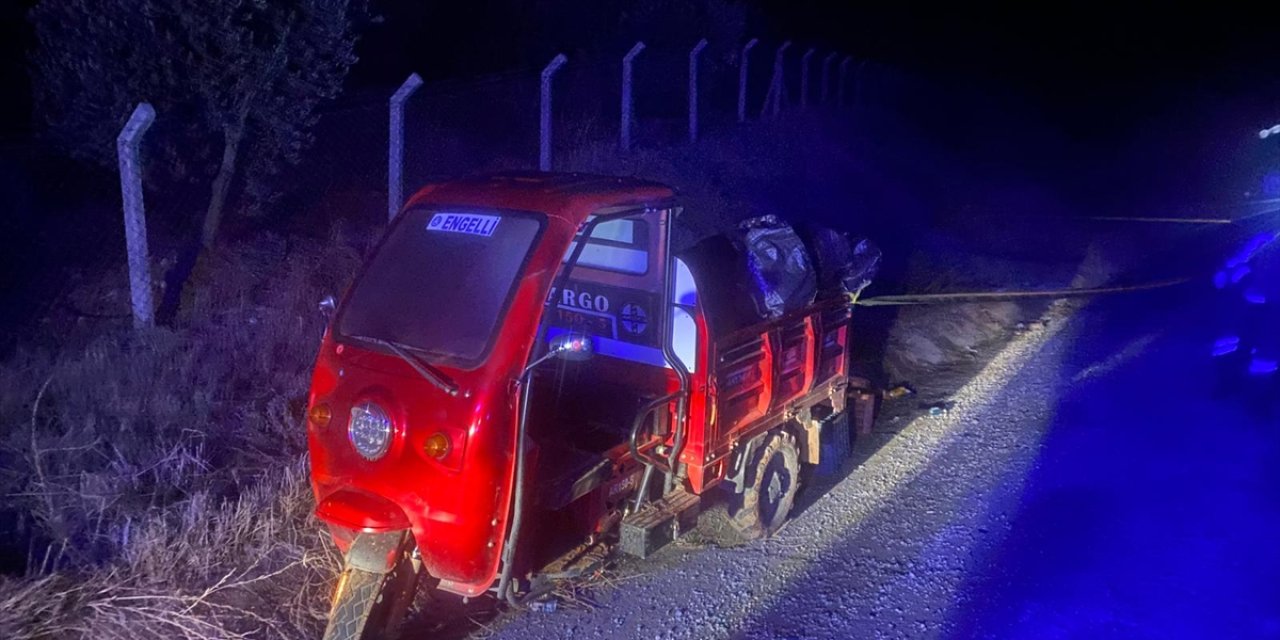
x=544, y=133
x=743, y=67
x=694, y=54
x=395, y=145
x=628, y=104
x=826, y=76
x=840, y=80
x=804, y=76
x=777, y=86
x=859, y=75
x=135, y=215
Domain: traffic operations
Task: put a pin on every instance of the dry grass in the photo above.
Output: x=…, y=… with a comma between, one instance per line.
x=277, y=574
x=160, y=478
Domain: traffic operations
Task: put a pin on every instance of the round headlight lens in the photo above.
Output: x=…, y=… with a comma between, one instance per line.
x=369, y=431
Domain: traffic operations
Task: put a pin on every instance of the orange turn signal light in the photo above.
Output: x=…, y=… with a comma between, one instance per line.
x=437, y=446
x=320, y=415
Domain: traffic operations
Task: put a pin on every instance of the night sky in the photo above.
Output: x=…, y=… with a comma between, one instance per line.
x=15, y=109
x=1090, y=68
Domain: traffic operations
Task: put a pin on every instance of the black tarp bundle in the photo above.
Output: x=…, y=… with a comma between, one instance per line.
x=778, y=265
x=844, y=266
x=764, y=268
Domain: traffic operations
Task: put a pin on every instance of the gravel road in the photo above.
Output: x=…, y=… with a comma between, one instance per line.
x=1087, y=483
x=881, y=554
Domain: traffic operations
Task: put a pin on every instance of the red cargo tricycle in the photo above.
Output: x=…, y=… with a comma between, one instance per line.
x=525, y=368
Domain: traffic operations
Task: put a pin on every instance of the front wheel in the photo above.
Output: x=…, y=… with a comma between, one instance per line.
x=772, y=480
x=370, y=601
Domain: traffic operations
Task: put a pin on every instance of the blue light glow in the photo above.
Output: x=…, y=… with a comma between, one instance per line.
x=1271, y=185
x=1226, y=345
x=1262, y=366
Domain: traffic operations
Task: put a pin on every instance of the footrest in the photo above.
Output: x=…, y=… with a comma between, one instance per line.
x=658, y=523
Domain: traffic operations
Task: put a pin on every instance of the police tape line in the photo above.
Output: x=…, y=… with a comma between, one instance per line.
x=1169, y=220
x=999, y=296
x=1177, y=220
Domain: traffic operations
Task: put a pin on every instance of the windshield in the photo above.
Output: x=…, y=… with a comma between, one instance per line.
x=440, y=281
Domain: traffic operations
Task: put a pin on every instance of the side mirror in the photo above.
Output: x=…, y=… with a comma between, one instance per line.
x=327, y=307
x=573, y=347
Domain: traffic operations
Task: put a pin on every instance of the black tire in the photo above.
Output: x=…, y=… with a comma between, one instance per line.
x=370, y=606
x=773, y=477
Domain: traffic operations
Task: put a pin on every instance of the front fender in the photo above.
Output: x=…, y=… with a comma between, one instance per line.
x=361, y=512
x=376, y=552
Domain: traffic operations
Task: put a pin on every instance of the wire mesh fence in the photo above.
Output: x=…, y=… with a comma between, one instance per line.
x=488, y=123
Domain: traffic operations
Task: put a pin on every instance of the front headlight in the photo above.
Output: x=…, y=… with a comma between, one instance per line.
x=369, y=431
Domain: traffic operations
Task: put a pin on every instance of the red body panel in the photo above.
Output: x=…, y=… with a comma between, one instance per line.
x=753, y=390
x=457, y=508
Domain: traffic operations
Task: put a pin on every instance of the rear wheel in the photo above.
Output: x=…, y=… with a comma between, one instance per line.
x=369, y=605
x=772, y=480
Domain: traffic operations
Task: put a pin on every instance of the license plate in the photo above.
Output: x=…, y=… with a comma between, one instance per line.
x=596, y=324
x=469, y=223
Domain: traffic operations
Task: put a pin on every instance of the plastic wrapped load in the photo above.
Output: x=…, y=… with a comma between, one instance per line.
x=764, y=269
x=844, y=265
x=753, y=273
x=860, y=271
x=778, y=266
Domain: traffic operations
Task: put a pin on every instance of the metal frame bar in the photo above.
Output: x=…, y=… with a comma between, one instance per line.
x=826, y=75
x=544, y=116
x=743, y=69
x=135, y=214
x=628, y=104
x=778, y=85
x=395, y=145
x=841, y=80
x=804, y=76
x=694, y=54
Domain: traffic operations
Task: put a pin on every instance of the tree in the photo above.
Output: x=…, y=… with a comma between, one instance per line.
x=231, y=80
